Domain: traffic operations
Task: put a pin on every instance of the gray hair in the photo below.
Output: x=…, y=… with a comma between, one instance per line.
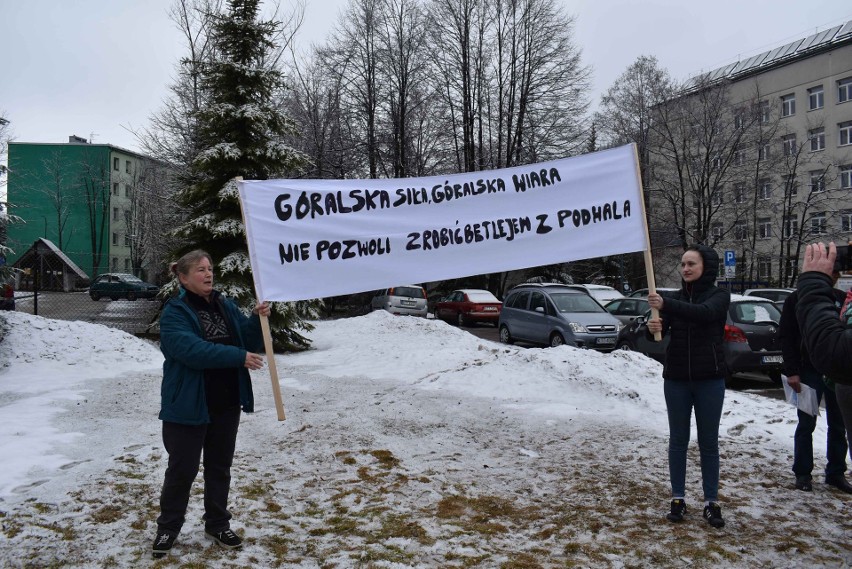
x=184, y=264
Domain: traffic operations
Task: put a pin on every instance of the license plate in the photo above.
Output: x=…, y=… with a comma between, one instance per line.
x=773, y=359
x=605, y=341
x=490, y=309
x=408, y=303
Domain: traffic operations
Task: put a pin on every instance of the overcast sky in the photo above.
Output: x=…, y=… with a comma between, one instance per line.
x=99, y=68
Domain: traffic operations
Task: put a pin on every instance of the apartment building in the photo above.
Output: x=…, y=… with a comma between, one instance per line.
x=82, y=197
x=790, y=181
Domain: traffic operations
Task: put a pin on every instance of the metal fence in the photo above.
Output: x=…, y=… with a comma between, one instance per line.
x=138, y=317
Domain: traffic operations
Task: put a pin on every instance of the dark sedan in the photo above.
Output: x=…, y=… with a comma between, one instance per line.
x=751, y=338
x=122, y=285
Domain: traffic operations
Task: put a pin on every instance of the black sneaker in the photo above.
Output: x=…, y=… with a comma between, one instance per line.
x=678, y=510
x=713, y=515
x=163, y=543
x=225, y=538
x=804, y=483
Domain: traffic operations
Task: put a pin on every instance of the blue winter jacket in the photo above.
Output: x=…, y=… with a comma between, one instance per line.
x=187, y=354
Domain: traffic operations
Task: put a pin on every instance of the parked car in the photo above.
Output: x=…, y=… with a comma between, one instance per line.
x=751, y=342
x=643, y=292
x=627, y=309
x=555, y=314
x=121, y=285
x=405, y=300
x=469, y=305
x=601, y=293
x=776, y=295
x=7, y=297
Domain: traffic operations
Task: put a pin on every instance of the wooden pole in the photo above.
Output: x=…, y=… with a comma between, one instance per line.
x=267, y=340
x=649, y=261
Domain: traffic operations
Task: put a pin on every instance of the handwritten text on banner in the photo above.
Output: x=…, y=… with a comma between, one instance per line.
x=320, y=238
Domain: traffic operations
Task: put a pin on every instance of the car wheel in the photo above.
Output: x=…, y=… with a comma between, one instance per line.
x=95, y=296
x=461, y=321
x=556, y=340
x=131, y=296
x=114, y=297
x=505, y=336
x=624, y=345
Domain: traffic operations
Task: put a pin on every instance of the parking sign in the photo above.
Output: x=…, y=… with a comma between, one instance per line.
x=730, y=264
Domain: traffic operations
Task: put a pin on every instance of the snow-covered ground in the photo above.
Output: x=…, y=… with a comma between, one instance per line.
x=408, y=443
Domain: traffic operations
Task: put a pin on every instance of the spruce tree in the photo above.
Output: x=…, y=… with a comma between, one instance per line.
x=241, y=132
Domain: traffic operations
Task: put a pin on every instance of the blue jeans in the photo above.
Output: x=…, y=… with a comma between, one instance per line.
x=706, y=397
x=803, y=440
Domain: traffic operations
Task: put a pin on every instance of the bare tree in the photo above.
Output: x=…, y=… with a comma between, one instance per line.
x=94, y=186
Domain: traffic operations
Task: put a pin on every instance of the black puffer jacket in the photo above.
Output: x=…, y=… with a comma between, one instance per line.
x=827, y=337
x=694, y=317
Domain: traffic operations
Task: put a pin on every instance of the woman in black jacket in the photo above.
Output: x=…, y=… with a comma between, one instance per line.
x=694, y=373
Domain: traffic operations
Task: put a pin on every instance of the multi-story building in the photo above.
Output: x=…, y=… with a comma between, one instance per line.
x=783, y=175
x=85, y=199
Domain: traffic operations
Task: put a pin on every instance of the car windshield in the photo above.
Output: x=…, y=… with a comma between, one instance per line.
x=575, y=303
x=409, y=291
x=754, y=312
x=129, y=278
x=481, y=296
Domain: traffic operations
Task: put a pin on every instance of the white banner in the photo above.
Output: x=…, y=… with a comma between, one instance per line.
x=319, y=238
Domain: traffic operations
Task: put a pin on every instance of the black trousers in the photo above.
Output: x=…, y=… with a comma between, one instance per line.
x=186, y=444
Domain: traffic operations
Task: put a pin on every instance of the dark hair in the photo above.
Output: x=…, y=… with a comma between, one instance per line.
x=184, y=264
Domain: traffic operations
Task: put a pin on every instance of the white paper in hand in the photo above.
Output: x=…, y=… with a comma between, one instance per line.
x=806, y=400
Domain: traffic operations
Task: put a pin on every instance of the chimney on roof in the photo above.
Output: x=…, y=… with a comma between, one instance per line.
x=77, y=140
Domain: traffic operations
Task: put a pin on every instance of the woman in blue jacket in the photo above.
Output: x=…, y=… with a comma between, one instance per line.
x=208, y=346
x=694, y=373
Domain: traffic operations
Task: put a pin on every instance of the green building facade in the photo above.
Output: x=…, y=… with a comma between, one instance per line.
x=78, y=196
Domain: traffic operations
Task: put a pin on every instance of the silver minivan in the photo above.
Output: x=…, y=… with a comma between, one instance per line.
x=407, y=300
x=555, y=314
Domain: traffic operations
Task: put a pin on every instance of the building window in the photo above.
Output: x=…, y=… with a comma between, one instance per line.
x=717, y=162
x=115, y=164
x=717, y=196
x=790, y=268
x=115, y=264
x=819, y=224
x=716, y=230
x=788, y=145
x=846, y=220
x=791, y=185
x=115, y=214
x=115, y=238
x=763, y=153
x=739, y=157
x=764, y=228
x=127, y=240
x=817, y=181
x=846, y=177
x=127, y=265
x=115, y=189
x=764, y=269
x=844, y=90
x=845, y=129
x=788, y=105
x=739, y=121
x=791, y=227
x=127, y=191
x=764, y=190
x=816, y=98
x=127, y=166
x=741, y=231
x=817, y=138
x=739, y=193
x=763, y=112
